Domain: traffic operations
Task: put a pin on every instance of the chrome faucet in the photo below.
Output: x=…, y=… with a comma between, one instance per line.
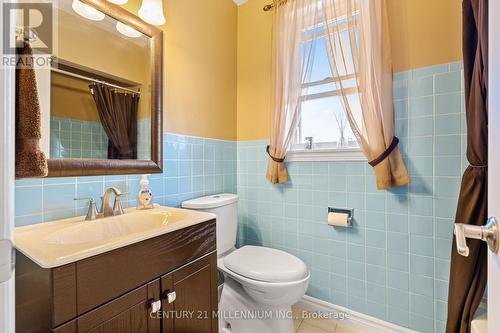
x=117, y=209
x=106, y=209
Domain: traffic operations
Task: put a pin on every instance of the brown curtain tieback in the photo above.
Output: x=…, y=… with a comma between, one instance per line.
x=386, y=153
x=277, y=160
x=479, y=166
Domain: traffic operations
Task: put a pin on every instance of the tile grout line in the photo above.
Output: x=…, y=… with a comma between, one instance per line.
x=410, y=133
x=434, y=209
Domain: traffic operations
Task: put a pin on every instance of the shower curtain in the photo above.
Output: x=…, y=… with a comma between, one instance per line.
x=118, y=114
x=468, y=274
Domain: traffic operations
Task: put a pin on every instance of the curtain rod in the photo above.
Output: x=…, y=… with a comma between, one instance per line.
x=268, y=7
x=274, y=4
x=86, y=78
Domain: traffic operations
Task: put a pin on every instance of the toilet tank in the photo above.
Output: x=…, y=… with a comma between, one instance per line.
x=225, y=207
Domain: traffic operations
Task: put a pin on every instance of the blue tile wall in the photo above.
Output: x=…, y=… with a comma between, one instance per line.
x=394, y=263
x=143, y=139
x=193, y=167
x=74, y=138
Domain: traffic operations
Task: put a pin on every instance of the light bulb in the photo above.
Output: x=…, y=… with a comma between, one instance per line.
x=118, y=2
x=151, y=11
x=87, y=11
x=127, y=30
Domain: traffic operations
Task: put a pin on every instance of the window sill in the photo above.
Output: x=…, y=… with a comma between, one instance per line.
x=346, y=154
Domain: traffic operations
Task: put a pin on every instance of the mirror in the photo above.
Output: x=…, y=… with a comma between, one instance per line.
x=104, y=110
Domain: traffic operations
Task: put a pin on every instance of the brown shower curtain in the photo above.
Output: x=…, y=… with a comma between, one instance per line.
x=118, y=114
x=468, y=274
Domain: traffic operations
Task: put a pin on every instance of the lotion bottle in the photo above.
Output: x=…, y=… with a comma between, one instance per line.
x=145, y=196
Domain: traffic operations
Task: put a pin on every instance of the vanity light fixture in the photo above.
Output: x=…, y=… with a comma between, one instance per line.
x=118, y=2
x=127, y=30
x=87, y=11
x=151, y=11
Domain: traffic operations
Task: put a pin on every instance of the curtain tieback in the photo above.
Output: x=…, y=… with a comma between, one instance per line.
x=479, y=166
x=275, y=159
x=386, y=153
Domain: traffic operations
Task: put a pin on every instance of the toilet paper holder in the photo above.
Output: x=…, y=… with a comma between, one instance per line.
x=348, y=211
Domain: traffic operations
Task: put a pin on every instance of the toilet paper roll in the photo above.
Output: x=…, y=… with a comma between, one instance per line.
x=338, y=219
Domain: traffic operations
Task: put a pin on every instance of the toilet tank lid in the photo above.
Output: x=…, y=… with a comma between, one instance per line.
x=210, y=201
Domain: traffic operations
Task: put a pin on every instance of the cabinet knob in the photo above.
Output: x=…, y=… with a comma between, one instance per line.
x=170, y=296
x=155, y=306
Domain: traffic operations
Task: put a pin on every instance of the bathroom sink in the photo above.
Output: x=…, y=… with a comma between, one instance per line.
x=61, y=242
x=114, y=227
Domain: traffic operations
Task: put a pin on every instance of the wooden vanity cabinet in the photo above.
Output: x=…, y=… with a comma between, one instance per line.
x=195, y=305
x=129, y=313
x=114, y=291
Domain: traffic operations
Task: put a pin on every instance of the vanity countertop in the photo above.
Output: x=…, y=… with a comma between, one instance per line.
x=57, y=243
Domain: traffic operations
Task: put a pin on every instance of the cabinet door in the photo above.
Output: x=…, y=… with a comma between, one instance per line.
x=195, y=306
x=130, y=313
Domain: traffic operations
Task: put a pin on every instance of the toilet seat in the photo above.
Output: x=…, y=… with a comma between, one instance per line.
x=266, y=265
x=269, y=293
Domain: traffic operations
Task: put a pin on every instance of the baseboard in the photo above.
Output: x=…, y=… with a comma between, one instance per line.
x=365, y=323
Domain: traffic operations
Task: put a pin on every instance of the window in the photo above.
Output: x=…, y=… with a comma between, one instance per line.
x=323, y=120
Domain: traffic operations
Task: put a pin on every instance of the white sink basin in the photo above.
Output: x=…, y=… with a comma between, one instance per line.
x=114, y=227
x=57, y=243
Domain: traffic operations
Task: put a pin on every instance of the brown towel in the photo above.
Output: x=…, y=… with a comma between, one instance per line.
x=30, y=160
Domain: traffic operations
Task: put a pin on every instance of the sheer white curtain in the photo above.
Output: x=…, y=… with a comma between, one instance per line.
x=363, y=45
x=292, y=65
x=358, y=46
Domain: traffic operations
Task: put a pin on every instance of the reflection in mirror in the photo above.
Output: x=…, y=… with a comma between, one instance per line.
x=100, y=105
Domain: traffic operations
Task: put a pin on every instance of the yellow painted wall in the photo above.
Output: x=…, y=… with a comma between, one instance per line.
x=71, y=98
x=254, y=70
x=200, y=67
x=90, y=45
x=423, y=33
x=85, y=43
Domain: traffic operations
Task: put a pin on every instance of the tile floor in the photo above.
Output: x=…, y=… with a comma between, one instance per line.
x=308, y=325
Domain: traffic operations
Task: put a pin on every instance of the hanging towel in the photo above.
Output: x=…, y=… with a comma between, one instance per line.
x=30, y=160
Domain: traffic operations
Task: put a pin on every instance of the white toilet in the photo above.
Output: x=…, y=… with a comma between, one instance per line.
x=261, y=284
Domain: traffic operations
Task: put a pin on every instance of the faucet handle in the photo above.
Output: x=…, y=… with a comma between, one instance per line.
x=117, y=207
x=92, y=209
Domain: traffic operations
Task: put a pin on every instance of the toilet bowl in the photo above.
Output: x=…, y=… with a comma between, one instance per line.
x=260, y=284
x=268, y=276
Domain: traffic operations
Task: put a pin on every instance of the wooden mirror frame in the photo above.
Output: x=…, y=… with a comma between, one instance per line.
x=89, y=167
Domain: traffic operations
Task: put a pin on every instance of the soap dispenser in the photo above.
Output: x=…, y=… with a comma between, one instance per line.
x=145, y=196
